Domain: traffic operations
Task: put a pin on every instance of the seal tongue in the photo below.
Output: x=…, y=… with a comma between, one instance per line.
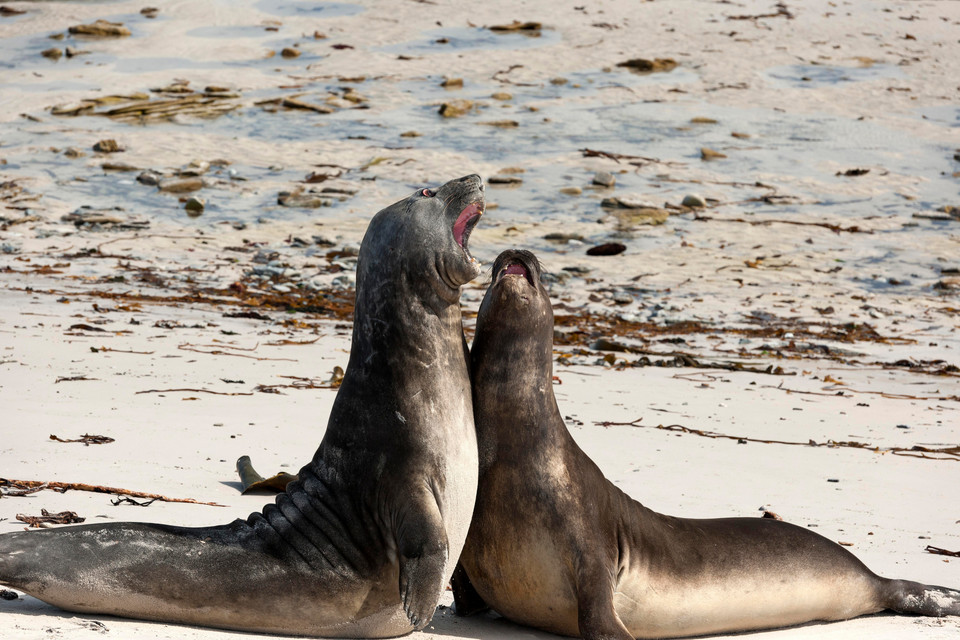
x=516, y=269
x=461, y=228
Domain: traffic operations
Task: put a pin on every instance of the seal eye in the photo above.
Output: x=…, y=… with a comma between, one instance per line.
x=428, y=193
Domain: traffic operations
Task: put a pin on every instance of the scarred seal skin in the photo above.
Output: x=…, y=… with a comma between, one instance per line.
x=581, y=558
x=363, y=544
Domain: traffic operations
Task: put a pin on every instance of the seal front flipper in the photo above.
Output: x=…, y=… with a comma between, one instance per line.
x=466, y=600
x=596, y=614
x=423, y=552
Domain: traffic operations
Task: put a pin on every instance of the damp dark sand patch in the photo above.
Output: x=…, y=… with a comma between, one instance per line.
x=819, y=76
x=447, y=39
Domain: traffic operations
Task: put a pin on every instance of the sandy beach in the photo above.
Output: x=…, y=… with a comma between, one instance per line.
x=767, y=318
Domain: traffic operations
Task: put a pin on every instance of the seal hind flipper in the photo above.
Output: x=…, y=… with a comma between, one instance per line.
x=466, y=600
x=908, y=597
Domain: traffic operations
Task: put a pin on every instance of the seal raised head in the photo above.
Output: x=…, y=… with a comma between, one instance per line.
x=364, y=542
x=581, y=558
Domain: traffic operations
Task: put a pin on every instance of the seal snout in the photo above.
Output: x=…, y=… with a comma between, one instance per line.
x=517, y=263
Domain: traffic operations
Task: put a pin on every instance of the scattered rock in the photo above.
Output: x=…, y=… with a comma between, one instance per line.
x=853, y=173
x=351, y=95
x=693, y=201
x=702, y=120
x=571, y=191
x=456, y=108
x=293, y=103
x=452, y=83
x=324, y=241
x=71, y=52
x=947, y=284
x=502, y=95
x=180, y=185
x=149, y=12
x=303, y=200
x=643, y=65
x=502, y=124
x=558, y=236
x=630, y=218
x=100, y=29
x=149, y=178
x=604, y=179
x=504, y=179
x=195, y=168
x=950, y=210
x=6, y=12
x=515, y=26
x=102, y=217
x=73, y=152
x=608, y=249
x=741, y=136
x=53, y=53
x=627, y=201
x=410, y=134
x=931, y=215
x=108, y=146
x=706, y=153
x=558, y=81
x=118, y=166
x=290, y=52
x=194, y=206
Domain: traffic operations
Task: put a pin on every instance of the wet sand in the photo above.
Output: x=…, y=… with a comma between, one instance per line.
x=813, y=299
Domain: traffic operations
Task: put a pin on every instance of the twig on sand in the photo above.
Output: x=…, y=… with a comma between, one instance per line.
x=941, y=552
x=916, y=451
x=216, y=393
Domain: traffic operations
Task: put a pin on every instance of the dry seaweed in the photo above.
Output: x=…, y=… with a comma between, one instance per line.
x=63, y=487
x=46, y=518
x=86, y=439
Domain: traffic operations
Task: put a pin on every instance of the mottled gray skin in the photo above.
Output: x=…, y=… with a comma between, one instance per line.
x=553, y=544
x=364, y=543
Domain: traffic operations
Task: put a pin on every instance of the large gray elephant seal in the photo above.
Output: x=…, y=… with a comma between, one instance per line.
x=364, y=543
x=553, y=544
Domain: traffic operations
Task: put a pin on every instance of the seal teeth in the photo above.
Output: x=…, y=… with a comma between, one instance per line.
x=516, y=268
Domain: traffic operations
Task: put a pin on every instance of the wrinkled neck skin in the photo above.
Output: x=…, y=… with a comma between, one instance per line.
x=511, y=368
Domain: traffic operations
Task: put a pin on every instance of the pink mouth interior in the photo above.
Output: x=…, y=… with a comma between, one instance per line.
x=469, y=212
x=516, y=269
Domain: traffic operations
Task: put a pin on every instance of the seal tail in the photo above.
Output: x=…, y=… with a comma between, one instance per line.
x=904, y=596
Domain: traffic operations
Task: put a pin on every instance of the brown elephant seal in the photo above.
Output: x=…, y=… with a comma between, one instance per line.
x=555, y=545
x=364, y=542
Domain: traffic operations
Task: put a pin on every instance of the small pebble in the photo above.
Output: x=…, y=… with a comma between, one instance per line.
x=604, y=179
x=693, y=201
x=108, y=146
x=149, y=178
x=194, y=206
